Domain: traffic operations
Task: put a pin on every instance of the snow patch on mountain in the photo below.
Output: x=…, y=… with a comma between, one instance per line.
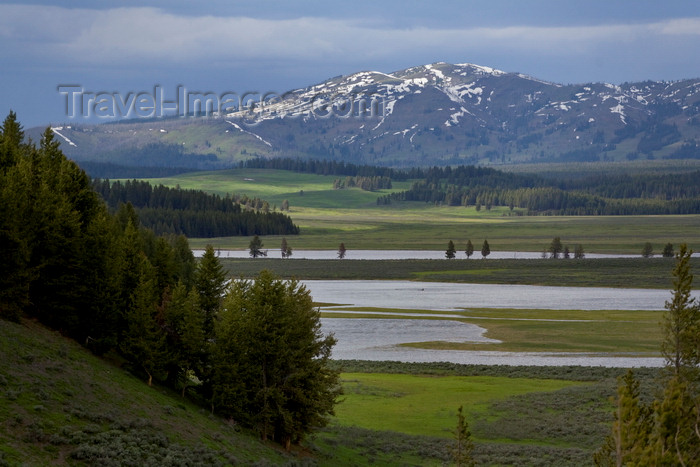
x=454, y=118
x=250, y=133
x=486, y=70
x=57, y=131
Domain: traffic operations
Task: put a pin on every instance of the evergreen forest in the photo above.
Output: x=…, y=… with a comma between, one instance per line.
x=115, y=286
x=194, y=213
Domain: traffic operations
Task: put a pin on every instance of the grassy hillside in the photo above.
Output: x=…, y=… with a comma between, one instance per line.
x=277, y=185
x=60, y=405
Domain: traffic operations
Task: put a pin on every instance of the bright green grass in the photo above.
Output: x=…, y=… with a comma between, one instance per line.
x=422, y=227
x=426, y=405
x=277, y=185
x=638, y=335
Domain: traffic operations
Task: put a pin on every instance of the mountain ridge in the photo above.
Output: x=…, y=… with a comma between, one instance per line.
x=434, y=114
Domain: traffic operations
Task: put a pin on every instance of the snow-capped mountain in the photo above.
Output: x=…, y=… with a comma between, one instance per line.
x=431, y=114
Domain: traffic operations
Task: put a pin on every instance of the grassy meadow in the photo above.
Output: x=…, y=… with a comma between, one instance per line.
x=407, y=403
x=327, y=217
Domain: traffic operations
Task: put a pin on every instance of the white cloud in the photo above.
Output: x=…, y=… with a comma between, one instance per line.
x=680, y=27
x=144, y=36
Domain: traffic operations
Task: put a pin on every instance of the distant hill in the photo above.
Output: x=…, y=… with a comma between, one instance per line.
x=438, y=114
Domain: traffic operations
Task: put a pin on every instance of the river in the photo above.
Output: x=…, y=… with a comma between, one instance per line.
x=395, y=254
x=379, y=339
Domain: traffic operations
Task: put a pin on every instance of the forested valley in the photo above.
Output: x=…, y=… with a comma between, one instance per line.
x=646, y=194
x=568, y=194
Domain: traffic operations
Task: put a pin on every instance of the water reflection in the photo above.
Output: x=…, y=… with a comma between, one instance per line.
x=443, y=296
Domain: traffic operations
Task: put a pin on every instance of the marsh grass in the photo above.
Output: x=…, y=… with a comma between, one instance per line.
x=609, y=272
x=609, y=332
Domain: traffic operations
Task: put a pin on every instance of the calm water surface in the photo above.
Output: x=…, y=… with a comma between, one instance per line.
x=445, y=296
x=394, y=254
x=379, y=338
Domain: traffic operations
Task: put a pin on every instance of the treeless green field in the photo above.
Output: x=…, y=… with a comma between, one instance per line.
x=426, y=405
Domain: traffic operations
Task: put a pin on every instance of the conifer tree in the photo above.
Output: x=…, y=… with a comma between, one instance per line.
x=255, y=247
x=341, y=251
x=681, y=345
x=184, y=260
x=450, y=252
x=270, y=360
x=668, y=251
x=144, y=343
x=470, y=249
x=555, y=248
x=11, y=140
x=464, y=447
x=285, y=249
x=485, y=249
x=186, y=344
x=210, y=282
x=632, y=427
x=672, y=434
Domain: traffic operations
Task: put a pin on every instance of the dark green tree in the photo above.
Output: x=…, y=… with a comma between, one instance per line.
x=270, y=360
x=470, y=249
x=681, y=345
x=11, y=141
x=647, y=250
x=184, y=260
x=341, y=251
x=451, y=251
x=15, y=247
x=145, y=341
x=285, y=249
x=210, y=283
x=632, y=427
x=255, y=247
x=555, y=248
x=672, y=437
x=668, y=251
x=163, y=260
x=187, y=346
x=675, y=439
x=485, y=249
x=578, y=252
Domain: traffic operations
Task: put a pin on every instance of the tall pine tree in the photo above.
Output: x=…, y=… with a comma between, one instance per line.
x=210, y=283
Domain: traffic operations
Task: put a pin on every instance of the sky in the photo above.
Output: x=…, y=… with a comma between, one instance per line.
x=220, y=46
